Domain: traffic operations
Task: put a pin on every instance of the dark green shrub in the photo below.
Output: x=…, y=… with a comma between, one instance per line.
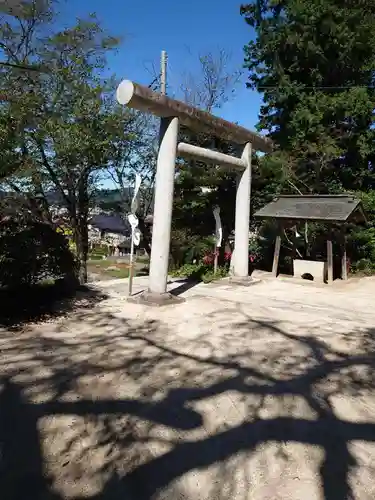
x=30, y=249
x=200, y=272
x=209, y=275
x=363, y=266
x=191, y=271
x=187, y=247
x=361, y=240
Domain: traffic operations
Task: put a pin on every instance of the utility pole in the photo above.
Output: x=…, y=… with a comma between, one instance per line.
x=163, y=72
x=133, y=218
x=163, y=197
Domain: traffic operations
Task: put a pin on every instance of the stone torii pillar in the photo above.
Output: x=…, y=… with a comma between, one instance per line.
x=242, y=222
x=174, y=113
x=161, y=230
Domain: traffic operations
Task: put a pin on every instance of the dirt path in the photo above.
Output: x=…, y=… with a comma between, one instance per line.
x=256, y=393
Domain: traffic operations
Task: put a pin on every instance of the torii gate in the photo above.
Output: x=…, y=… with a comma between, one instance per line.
x=174, y=113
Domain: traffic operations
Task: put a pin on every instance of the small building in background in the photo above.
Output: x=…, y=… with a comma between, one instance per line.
x=111, y=231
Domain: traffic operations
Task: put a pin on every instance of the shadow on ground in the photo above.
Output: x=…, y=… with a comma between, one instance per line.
x=35, y=303
x=185, y=285
x=122, y=414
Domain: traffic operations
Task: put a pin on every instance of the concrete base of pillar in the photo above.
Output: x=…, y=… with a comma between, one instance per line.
x=243, y=281
x=156, y=299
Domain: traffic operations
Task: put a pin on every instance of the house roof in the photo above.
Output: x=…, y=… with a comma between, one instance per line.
x=324, y=208
x=110, y=223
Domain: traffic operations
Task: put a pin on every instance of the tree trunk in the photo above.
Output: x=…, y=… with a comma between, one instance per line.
x=82, y=268
x=81, y=241
x=146, y=235
x=82, y=231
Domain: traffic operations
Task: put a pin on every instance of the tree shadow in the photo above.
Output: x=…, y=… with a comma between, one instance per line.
x=143, y=271
x=328, y=431
x=21, y=466
x=184, y=287
x=39, y=302
x=151, y=430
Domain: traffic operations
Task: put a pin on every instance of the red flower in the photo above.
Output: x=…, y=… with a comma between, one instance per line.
x=252, y=258
x=227, y=256
x=208, y=259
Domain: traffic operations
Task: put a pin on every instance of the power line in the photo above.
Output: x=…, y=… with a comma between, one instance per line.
x=321, y=87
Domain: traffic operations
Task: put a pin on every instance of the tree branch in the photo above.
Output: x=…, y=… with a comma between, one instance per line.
x=52, y=174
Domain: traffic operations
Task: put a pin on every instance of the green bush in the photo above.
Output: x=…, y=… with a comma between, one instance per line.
x=144, y=259
x=187, y=247
x=209, y=276
x=361, y=240
x=200, y=272
x=363, y=266
x=255, y=248
x=192, y=271
x=31, y=249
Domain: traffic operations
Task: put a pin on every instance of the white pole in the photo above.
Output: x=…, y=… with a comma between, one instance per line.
x=241, y=238
x=218, y=236
x=130, y=289
x=133, y=221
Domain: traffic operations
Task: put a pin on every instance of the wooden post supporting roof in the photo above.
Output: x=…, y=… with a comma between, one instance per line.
x=344, y=268
x=276, y=255
x=142, y=98
x=329, y=260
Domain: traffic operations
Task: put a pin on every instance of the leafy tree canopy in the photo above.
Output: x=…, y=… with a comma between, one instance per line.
x=60, y=127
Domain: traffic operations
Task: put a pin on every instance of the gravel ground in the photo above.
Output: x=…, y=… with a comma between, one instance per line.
x=265, y=392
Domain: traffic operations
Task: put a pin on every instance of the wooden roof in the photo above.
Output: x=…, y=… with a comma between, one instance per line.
x=111, y=224
x=319, y=208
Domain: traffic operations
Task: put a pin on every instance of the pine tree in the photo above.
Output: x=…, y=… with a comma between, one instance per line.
x=314, y=62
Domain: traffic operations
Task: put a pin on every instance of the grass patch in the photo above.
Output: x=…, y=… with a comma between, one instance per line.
x=112, y=269
x=144, y=259
x=118, y=273
x=102, y=263
x=200, y=272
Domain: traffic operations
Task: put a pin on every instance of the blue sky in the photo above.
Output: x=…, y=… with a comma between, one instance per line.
x=183, y=29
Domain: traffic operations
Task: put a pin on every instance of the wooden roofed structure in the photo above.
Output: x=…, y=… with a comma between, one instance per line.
x=327, y=209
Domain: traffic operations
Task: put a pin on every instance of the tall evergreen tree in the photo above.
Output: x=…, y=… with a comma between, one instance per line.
x=314, y=62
